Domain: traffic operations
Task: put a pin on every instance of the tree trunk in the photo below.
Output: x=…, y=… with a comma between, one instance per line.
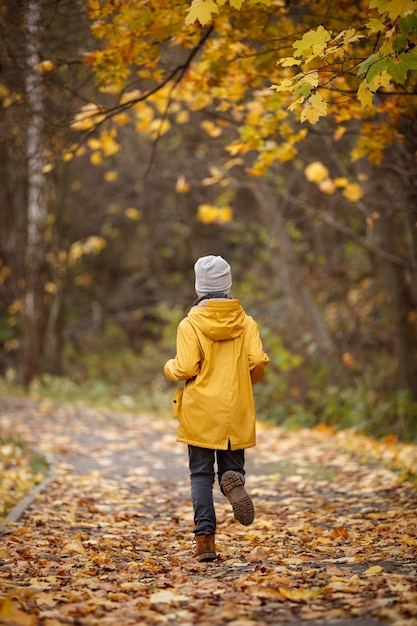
x=286, y=266
x=36, y=207
x=392, y=278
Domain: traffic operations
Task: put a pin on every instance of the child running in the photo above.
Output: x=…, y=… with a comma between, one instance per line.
x=219, y=356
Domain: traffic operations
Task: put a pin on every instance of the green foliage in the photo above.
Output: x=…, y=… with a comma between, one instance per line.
x=21, y=468
x=107, y=372
x=357, y=406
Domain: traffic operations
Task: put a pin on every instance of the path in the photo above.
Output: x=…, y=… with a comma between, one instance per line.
x=108, y=542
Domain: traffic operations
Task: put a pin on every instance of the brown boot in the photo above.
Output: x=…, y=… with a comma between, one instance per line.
x=243, y=508
x=206, y=550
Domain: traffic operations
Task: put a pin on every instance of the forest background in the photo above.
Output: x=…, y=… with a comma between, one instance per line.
x=136, y=136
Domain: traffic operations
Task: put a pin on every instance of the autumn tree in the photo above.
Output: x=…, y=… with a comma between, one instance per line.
x=40, y=82
x=326, y=87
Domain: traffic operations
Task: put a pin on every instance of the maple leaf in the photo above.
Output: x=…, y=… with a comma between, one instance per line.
x=398, y=67
x=397, y=8
x=365, y=94
x=315, y=108
x=201, y=11
x=312, y=44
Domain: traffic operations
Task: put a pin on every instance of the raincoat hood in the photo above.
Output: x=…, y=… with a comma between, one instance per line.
x=219, y=320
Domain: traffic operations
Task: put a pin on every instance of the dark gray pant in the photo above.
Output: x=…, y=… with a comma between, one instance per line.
x=202, y=476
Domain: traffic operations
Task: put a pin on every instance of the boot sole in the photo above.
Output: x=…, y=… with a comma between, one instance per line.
x=243, y=508
x=206, y=557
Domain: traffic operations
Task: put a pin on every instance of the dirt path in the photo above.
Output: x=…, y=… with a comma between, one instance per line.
x=109, y=541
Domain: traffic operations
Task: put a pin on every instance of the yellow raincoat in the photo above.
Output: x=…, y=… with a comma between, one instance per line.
x=220, y=356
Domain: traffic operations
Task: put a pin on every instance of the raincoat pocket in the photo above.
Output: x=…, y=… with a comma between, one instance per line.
x=177, y=403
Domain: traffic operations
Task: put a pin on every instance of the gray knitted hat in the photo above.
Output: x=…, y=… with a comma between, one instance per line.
x=212, y=273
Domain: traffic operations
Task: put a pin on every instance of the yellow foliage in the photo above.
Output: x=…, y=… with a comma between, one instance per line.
x=96, y=158
x=144, y=116
x=50, y=287
x=181, y=185
x=182, y=117
x=316, y=172
x=353, y=192
x=108, y=144
x=130, y=96
x=122, y=119
x=211, y=129
x=157, y=128
x=91, y=245
x=67, y=155
x=327, y=186
x=87, y=118
x=365, y=94
x=133, y=214
x=315, y=108
x=400, y=8
x=313, y=44
x=201, y=11
x=4, y=272
x=111, y=176
x=209, y=214
x=45, y=66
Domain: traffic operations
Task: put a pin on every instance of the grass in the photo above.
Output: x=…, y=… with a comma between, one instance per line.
x=21, y=469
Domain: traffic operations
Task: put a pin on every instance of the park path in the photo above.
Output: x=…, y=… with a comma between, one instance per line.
x=109, y=539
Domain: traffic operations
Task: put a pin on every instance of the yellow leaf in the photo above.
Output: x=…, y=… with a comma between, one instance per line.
x=87, y=118
x=157, y=128
x=96, y=158
x=122, y=119
x=211, y=129
x=201, y=11
x=183, y=117
x=365, y=94
x=312, y=44
x=289, y=62
x=400, y=8
x=94, y=143
x=45, y=66
x=296, y=595
x=353, y=192
x=373, y=571
x=75, y=547
x=10, y=614
x=166, y=596
x=208, y=214
x=327, y=186
x=67, y=155
x=182, y=186
x=133, y=214
x=50, y=287
x=293, y=560
x=316, y=172
x=4, y=90
x=341, y=181
x=111, y=176
x=315, y=108
x=129, y=96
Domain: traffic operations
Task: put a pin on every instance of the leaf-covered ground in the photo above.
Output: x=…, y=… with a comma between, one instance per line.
x=109, y=541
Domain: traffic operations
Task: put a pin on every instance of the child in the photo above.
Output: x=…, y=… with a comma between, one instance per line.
x=220, y=356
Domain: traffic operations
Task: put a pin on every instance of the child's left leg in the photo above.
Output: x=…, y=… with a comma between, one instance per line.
x=231, y=472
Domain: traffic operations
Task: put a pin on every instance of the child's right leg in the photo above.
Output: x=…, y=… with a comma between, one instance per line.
x=201, y=463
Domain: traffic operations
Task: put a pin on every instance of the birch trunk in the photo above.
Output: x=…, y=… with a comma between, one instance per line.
x=36, y=205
